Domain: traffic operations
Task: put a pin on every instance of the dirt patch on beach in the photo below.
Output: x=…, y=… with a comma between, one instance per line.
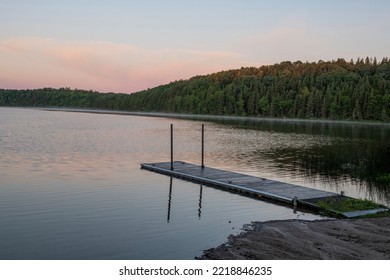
x=295, y=239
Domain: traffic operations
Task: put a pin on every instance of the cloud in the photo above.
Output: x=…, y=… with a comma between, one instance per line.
x=103, y=66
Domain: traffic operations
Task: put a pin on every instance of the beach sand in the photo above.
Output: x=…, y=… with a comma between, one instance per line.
x=362, y=239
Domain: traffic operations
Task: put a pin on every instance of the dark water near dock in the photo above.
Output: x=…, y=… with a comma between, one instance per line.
x=351, y=157
x=71, y=185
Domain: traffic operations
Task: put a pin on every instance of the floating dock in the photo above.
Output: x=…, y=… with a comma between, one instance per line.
x=262, y=188
x=236, y=182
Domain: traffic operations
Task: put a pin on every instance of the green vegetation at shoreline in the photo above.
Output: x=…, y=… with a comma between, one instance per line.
x=383, y=178
x=338, y=207
x=336, y=90
x=347, y=204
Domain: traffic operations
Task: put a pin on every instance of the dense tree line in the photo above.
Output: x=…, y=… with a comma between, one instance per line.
x=64, y=97
x=325, y=90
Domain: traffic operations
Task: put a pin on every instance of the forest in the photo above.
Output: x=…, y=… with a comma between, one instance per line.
x=337, y=90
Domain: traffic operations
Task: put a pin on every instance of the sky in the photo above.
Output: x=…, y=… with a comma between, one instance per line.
x=127, y=45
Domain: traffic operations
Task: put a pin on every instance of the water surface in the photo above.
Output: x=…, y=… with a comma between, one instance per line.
x=71, y=186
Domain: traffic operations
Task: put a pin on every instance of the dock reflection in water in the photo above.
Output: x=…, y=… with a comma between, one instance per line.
x=170, y=201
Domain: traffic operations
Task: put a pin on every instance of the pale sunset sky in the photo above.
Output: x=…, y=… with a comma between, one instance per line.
x=128, y=45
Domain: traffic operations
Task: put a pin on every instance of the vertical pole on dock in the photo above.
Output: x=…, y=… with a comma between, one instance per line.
x=202, y=146
x=171, y=146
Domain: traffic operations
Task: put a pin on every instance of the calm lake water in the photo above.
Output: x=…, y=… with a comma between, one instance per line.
x=71, y=186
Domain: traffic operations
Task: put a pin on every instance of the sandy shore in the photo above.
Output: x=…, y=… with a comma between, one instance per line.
x=295, y=239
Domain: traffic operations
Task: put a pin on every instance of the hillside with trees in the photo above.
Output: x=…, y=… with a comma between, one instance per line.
x=335, y=89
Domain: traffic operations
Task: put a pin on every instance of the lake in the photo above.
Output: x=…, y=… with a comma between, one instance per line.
x=71, y=186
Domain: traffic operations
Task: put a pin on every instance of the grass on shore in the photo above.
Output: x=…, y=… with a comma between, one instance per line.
x=346, y=204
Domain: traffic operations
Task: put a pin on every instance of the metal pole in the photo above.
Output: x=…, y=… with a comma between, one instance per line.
x=202, y=146
x=171, y=146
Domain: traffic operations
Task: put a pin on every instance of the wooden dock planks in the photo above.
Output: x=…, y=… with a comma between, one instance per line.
x=232, y=181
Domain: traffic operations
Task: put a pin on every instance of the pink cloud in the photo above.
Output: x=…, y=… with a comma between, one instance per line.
x=103, y=66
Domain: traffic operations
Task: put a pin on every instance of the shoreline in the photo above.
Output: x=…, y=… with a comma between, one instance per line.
x=355, y=239
x=210, y=117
